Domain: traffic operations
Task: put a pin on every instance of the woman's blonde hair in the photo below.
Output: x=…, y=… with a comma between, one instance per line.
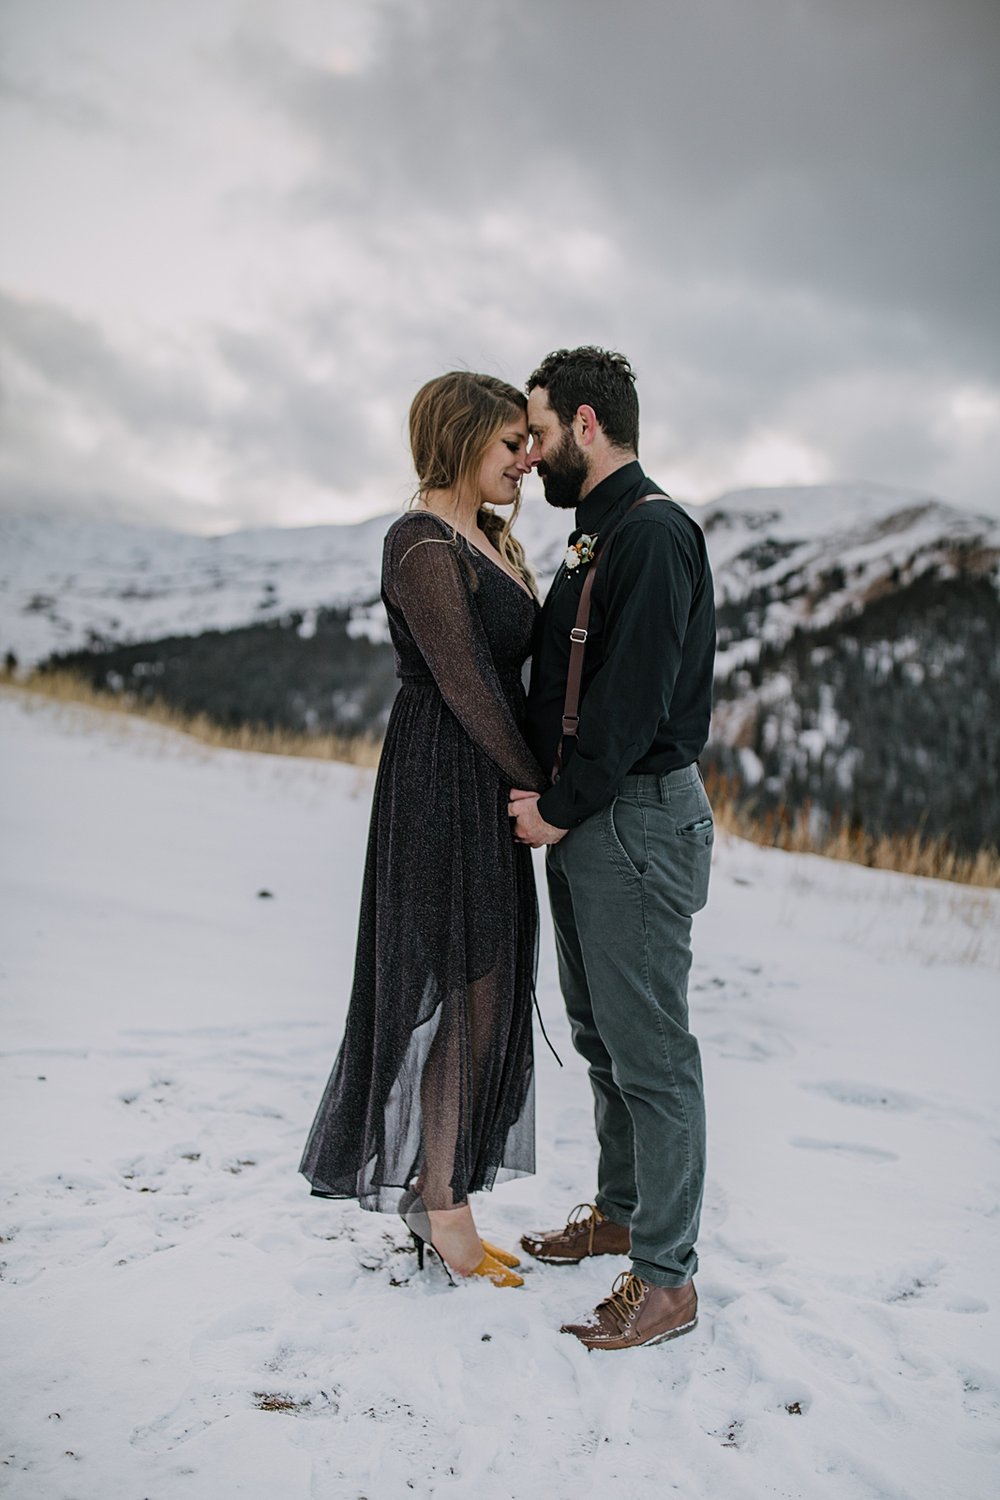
x=453, y=420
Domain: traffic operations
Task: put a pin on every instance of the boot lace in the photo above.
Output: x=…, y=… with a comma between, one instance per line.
x=584, y=1219
x=626, y=1295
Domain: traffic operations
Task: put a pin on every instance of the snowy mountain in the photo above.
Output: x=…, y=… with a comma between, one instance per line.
x=803, y=558
x=784, y=559
x=859, y=637
x=70, y=584
x=859, y=657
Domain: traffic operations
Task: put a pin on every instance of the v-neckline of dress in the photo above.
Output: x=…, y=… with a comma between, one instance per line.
x=426, y=511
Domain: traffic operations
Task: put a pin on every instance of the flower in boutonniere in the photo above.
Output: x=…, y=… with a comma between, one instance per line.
x=580, y=551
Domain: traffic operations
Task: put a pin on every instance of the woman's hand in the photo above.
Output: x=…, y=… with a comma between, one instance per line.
x=529, y=825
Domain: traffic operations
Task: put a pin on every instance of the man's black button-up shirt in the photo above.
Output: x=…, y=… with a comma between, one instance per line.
x=646, y=697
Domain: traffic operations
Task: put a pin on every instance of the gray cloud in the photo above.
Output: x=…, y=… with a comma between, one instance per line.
x=273, y=423
x=785, y=214
x=788, y=196
x=56, y=348
x=849, y=150
x=66, y=108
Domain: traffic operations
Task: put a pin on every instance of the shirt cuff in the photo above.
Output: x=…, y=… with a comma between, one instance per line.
x=553, y=809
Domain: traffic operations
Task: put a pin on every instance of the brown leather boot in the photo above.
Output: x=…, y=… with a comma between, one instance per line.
x=638, y=1313
x=587, y=1232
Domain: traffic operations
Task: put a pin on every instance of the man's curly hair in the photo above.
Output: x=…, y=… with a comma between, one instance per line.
x=589, y=376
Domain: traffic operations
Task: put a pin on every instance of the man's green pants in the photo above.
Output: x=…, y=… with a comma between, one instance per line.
x=623, y=888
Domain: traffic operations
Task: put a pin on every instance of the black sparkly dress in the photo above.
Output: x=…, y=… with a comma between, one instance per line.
x=432, y=1090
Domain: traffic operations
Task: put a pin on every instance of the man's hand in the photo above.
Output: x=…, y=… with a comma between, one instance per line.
x=530, y=827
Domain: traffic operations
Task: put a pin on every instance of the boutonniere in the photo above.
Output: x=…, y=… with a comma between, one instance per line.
x=580, y=552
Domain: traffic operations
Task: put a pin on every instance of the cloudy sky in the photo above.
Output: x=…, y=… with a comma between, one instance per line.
x=239, y=234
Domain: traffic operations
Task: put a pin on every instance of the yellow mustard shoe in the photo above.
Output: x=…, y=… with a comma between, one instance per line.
x=503, y=1256
x=495, y=1272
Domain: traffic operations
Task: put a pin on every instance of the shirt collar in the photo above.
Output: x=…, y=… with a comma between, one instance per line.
x=598, y=506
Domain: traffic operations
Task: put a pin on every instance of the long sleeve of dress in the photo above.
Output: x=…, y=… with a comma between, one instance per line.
x=428, y=582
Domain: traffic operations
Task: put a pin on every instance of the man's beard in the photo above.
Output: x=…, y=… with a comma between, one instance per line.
x=563, y=475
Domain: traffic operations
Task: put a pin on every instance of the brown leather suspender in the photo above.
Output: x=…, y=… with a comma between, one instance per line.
x=578, y=642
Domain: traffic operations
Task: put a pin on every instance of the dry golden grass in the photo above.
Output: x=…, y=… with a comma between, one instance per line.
x=66, y=687
x=910, y=854
x=907, y=853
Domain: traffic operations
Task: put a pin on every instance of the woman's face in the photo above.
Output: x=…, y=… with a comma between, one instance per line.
x=505, y=464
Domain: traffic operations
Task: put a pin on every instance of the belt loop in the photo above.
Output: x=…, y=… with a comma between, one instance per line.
x=664, y=789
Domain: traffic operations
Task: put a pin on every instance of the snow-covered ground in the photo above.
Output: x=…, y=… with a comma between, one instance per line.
x=182, y=1322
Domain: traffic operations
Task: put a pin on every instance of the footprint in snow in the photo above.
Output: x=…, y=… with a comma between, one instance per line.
x=148, y=1099
x=865, y=1095
x=746, y=1048
x=719, y=1294
x=755, y=1257
x=199, y=1409
x=846, y=1365
x=981, y=1403
x=786, y=1298
x=192, y=1414
x=890, y=1101
x=962, y=1304
x=844, y=1148
x=908, y=1284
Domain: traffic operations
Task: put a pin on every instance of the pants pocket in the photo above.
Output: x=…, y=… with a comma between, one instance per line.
x=692, y=836
x=625, y=838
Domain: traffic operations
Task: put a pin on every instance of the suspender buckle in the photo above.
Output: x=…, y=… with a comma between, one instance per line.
x=578, y=635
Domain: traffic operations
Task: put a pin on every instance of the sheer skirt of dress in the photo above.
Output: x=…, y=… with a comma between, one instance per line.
x=432, y=1091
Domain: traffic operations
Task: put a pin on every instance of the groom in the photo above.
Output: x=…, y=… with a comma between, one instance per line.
x=629, y=830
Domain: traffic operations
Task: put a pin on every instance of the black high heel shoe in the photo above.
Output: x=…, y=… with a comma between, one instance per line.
x=417, y=1221
x=488, y=1267
x=420, y=1245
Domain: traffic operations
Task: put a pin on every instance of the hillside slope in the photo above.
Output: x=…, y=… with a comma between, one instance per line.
x=183, y=1321
x=859, y=639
